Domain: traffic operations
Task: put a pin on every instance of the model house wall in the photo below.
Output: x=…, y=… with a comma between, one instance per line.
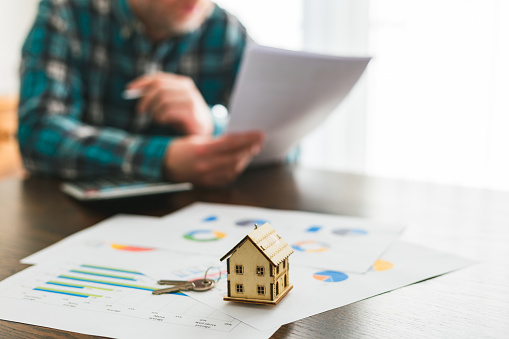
x=258, y=268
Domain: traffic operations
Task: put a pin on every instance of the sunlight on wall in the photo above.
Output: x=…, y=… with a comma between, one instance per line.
x=437, y=91
x=15, y=20
x=276, y=23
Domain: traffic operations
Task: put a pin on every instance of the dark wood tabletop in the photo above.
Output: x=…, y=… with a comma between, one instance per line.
x=469, y=303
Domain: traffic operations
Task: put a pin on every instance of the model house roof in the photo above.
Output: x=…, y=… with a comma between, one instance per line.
x=270, y=244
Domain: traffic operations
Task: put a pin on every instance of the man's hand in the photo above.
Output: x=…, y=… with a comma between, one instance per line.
x=174, y=100
x=205, y=161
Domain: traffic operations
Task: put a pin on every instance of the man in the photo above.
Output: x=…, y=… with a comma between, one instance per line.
x=181, y=55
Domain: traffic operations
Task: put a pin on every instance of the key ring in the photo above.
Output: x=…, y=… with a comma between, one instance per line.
x=207, y=271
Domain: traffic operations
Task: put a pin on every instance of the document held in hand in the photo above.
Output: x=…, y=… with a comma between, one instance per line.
x=287, y=94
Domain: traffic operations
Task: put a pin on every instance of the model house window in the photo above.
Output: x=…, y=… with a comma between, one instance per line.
x=284, y=263
x=261, y=290
x=260, y=270
x=240, y=288
x=277, y=269
x=239, y=269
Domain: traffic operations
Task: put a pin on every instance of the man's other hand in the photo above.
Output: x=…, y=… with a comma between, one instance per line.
x=174, y=100
x=213, y=162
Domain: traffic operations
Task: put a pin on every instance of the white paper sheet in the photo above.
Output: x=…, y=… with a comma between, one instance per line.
x=319, y=290
x=143, y=243
x=100, y=303
x=121, y=240
x=287, y=94
x=319, y=240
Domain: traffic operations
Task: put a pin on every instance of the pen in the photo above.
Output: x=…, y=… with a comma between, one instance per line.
x=130, y=94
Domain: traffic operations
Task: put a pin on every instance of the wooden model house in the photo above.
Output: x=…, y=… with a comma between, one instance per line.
x=258, y=267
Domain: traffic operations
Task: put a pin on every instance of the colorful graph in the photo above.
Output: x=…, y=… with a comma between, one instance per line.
x=72, y=284
x=251, y=222
x=310, y=246
x=129, y=248
x=349, y=231
x=382, y=265
x=330, y=276
x=106, y=282
x=204, y=235
x=66, y=292
x=115, y=276
x=111, y=269
x=58, y=283
x=74, y=294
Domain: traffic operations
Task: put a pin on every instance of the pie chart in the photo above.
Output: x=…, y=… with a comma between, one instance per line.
x=310, y=246
x=251, y=222
x=129, y=248
x=382, y=265
x=330, y=276
x=349, y=231
x=204, y=235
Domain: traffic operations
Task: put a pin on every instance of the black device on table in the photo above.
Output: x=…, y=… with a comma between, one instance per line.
x=112, y=188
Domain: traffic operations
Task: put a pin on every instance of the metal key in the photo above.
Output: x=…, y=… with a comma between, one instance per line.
x=198, y=285
x=173, y=282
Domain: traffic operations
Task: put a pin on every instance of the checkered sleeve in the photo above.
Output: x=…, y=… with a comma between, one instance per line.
x=52, y=136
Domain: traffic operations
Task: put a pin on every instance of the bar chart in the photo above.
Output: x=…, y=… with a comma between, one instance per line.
x=96, y=289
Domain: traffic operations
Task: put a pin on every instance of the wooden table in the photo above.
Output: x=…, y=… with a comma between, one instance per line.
x=469, y=303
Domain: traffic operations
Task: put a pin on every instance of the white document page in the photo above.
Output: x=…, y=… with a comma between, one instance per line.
x=319, y=240
x=287, y=94
x=319, y=290
x=111, y=302
x=121, y=239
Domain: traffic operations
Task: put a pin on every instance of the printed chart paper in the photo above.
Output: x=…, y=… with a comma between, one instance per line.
x=318, y=240
x=112, y=302
x=321, y=290
x=121, y=240
x=182, y=246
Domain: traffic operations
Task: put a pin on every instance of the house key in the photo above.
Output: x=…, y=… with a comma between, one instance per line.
x=198, y=285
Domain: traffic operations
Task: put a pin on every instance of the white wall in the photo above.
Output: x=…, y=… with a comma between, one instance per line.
x=434, y=106
x=16, y=17
x=338, y=27
x=276, y=23
x=438, y=91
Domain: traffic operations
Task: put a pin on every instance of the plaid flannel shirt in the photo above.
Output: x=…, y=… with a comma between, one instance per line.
x=76, y=62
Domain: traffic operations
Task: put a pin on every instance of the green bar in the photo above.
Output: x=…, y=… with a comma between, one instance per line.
x=111, y=283
x=110, y=269
x=68, y=292
x=83, y=286
x=103, y=275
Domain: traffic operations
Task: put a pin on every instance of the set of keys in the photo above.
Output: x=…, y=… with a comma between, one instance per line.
x=198, y=285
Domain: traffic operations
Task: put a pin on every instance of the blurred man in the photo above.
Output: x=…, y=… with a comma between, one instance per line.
x=180, y=57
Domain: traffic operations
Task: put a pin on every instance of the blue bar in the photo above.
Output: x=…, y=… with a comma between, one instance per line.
x=103, y=275
x=107, y=283
x=62, y=284
x=111, y=269
x=58, y=292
